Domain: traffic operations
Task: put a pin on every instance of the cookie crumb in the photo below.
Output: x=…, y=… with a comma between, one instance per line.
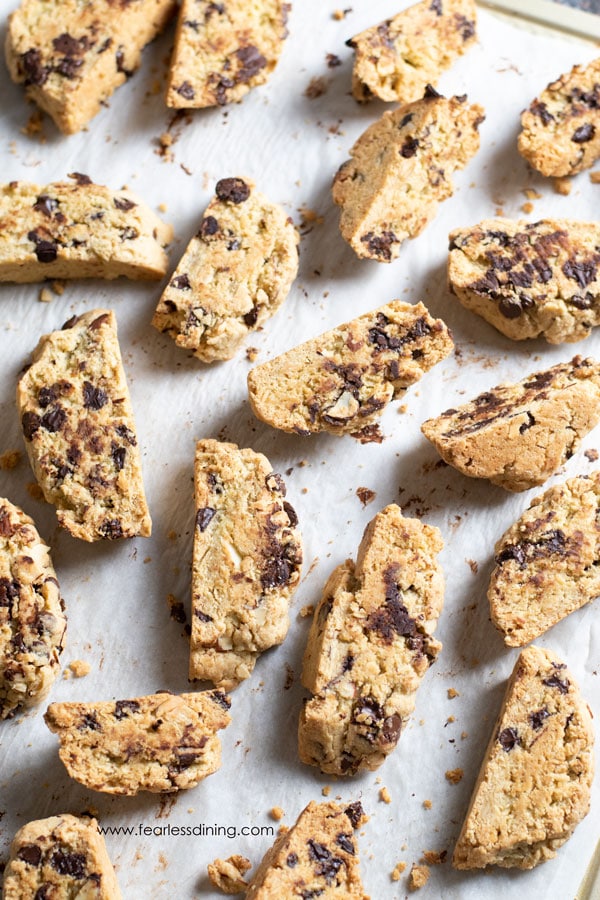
x=450, y=719
x=427, y=804
x=418, y=878
x=434, y=857
x=332, y=60
x=58, y=287
x=563, y=186
x=10, y=460
x=473, y=565
x=176, y=609
x=45, y=296
x=365, y=495
x=595, y=177
x=452, y=693
x=34, y=491
x=307, y=611
x=277, y=813
x=532, y=194
x=454, y=775
x=464, y=735
x=33, y=126
x=251, y=353
x=339, y=14
x=398, y=870
x=326, y=790
x=80, y=668
x=317, y=86
x=227, y=874
x=162, y=207
x=527, y=208
x=385, y=795
x=590, y=455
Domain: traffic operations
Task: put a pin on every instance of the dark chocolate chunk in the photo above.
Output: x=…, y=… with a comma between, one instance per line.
x=72, y=864
x=129, y=234
x=181, y=283
x=54, y=419
x=250, y=318
x=208, y=226
x=510, y=309
x=34, y=71
x=508, y=738
x=127, y=434
x=584, y=133
x=93, y=397
x=580, y=301
x=221, y=699
x=316, y=851
x=124, y=708
x=46, y=205
x=31, y=854
x=204, y=517
x=436, y=7
x=540, y=110
x=98, y=322
x=346, y=843
x=43, y=892
x=355, y=813
x=118, y=455
x=430, y=93
x=120, y=63
x=90, y=721
x=186, y=90
x=380, y=244
x=465, y=26
x=291, y=860
x=202, y=616
x=68, y=67
x=251, y=62
x=111, y=529
x=80, y=178
x=275, y=483
x=123, y=204
x=46, y=251
x=528, y=424
x=291, y=513
x=392, y=726
x=537, y=719
x=69, y=45
x=582, y=272
x=30, y=423
x=555, y=682
x=409, y=147
x=232, y=190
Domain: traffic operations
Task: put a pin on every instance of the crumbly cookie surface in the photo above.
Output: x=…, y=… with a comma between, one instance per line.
x=517, y=435
x=246, y=563
x=560, y=131
x=548, y=562
x=400, y=169
x=222, y=50
x=535, y=780
x=79, y=430
x=32, y=621
x=343, y=379
x=317, y=857
x=78, y=230
x=370, y=644
x=396, y=59
x=161, y=742
x=71, y=56
x=234, y=274
x=60, y=857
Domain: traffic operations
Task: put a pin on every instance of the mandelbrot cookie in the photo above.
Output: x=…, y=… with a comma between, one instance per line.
x=341, y=381
x=79, y=430
x=517, y=435
x=370, y=644
x=535, y=780
x=234, y=274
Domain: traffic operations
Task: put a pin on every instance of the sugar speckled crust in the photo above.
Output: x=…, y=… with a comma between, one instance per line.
x=246, y=564
x=517, y=435
x=161, y=742
x=79, y=430
x=535, y=780
x=342, y=380
x=529, y=278
x=60, y=858
x=396, y=59
x=561, y=128
x=78, y=230
x=317, y=857
x=400, y=169
x=224, y=49
x=32, y=621
x=370, y=644
x=234, y=274
x=71, y=56
x=548, y=562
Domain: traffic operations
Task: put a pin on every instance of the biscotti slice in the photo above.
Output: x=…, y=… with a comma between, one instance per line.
x=517, y=435
x=70, y=56
x=79, y=230
x=234, y=274
x=317, y=857
x=342, y=380
x=398, y=58
x=161, y=742
x=529, y=278
x=79, y=430
x=400, y=169
x=246, y=564
x=60, y=857
x=561, y=129
x=32, y=621
x=535, y=780
x=370, y=644
x=548, y=562
x=222, y=50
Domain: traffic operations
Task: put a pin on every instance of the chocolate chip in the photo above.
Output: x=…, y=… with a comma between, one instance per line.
x=69, y=45
x=275, y=483
x=54, y=419
x=392, y=726
x=111, y=529
x=509, y=308
x=584, y=133
x=508, y=738
x=129, y=234
x=380, y=244
x=582, y=302
x=409, y=147
x=581, y=272
x=204, y=517
x=123, y=204
x=93, y=397
x=232, y=190
x=31, y=854
x=317, y=852
x=46, y=251
x=186, y=91
x=538, y=718
x=34, y=71
x=208, y=226
x=127, y=434
x=346, y=843
x=221, y=699
x=30, y=423
x=355, y=813
x=251, y=62
x=540, y=110
x=250, y=318
x=291, y=513
x=120, y=64
x=90, y=721
x=124, y=708
x=555, y=682
x=42, y=892
x=46, y=205
x=525, y=426
x=181, y=283
x=72, y=864
x=430, y=93
x=80, y=178
x=118, y=455
x=68, y=67
x=465, y=26
x=291, y=860
x=436, y=7
x=98, y=322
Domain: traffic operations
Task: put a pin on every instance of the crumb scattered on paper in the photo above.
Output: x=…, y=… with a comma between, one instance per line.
x=454, y=775
x=80, y=668
x=228, y=874
x=398, y=870
x=418, y=878
x=10, y=459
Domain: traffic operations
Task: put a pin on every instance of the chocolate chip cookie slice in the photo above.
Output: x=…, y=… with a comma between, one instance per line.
x=60, y=857
x=535, y=780
x=79, y=230
x=234, y=274
x=529, y=278
x=80, y=433
x=370, y=644
x=70, y=56
x=246, y=565
x=561, y=129
x=222, y=50
x=517, y=435
x=342, y=380
x=161, y=742
x=398, y=58
x=317, y=857
x=32, y=621
x=400, y=169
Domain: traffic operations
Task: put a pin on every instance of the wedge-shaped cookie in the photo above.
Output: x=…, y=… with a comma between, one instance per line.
x=32, y=621
x=79, y=430
x=400, y=169
x=60, y=857
x=342, y=380
x=162, y=742
x=222, y=50
x=247, y=562
x=398, y=58
x=71, y=55
x=535, y=780
x=79, y=230
x=517, y=435
x=548, y=562
x=561, y=129
x=317, y=857
x=234, y=274
x=370, y=645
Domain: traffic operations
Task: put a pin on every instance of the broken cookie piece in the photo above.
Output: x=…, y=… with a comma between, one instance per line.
x=227, y=875
x=161, y=742
x=370, y=644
